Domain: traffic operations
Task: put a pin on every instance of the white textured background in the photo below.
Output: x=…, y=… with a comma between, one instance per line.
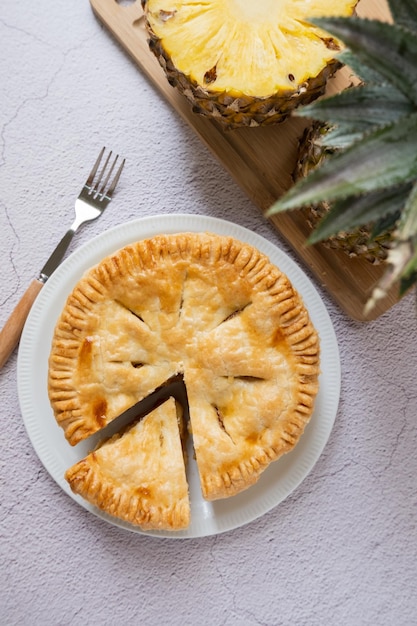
x=342, y=549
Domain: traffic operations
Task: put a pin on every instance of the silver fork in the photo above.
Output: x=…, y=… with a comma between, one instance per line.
x=94, y=197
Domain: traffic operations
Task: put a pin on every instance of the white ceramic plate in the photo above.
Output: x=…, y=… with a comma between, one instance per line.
x=208, y=518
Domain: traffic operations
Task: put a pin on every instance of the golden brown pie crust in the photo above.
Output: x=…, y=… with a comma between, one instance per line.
x=207, y=306
x=139, y=476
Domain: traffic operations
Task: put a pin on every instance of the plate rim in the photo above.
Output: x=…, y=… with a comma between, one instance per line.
x=57, y=288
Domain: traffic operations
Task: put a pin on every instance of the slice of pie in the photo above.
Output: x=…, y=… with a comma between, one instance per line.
x=139, y=476
x=209, y=308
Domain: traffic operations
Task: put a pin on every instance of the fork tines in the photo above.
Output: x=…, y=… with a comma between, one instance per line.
x=94, y=186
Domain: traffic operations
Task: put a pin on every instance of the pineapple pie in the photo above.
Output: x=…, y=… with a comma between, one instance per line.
x=213, y=311
x=245, y=63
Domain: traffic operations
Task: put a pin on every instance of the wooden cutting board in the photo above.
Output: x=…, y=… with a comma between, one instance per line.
x=260, y=160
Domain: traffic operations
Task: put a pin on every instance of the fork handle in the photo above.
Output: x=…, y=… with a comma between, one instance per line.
x=10, y=334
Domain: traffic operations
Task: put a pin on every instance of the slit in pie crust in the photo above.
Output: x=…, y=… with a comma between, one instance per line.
x=212, y=309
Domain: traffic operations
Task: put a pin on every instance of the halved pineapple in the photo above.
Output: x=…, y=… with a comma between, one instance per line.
x=245, y=63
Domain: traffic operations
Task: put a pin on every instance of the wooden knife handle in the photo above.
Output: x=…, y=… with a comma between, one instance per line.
x=10, y=335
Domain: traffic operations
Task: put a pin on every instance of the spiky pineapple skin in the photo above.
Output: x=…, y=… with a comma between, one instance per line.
x=355, y=243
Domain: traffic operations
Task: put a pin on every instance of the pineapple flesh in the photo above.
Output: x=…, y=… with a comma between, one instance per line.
x=244, y=63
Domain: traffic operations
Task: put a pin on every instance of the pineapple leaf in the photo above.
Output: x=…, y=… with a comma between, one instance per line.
x=348, y=213
x=361, y=107
x=359, y=68
x=401, y=262
x=402, y=257
x=409, y=276
x=342, y=136
x=356, y=110
x=389, y=49
x=404, y=13
x=384, y=158
x=387, y=222
x=407, y=226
